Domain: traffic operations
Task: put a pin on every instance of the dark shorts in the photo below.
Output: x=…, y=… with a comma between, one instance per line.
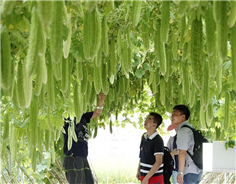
x=77, y=170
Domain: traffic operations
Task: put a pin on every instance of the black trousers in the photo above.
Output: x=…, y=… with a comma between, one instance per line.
x=77, y=170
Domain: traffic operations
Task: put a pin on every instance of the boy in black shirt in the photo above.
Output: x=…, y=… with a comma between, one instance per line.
x=150, y=169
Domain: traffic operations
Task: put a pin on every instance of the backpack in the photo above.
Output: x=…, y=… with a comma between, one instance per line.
x=197, y=149
x=168, y=165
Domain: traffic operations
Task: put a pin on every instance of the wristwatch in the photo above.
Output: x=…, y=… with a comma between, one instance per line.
x=180, y=172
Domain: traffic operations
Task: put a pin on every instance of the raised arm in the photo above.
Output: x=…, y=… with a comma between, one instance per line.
x=97, y=112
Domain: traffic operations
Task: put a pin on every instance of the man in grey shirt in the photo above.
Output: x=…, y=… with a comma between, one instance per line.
x=188, y=172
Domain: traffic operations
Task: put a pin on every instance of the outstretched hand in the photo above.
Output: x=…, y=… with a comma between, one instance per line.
x=101, y=97
x=175, y=152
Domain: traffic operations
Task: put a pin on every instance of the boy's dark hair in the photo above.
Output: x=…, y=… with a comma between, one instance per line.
x=183, y=109
x=157, y=118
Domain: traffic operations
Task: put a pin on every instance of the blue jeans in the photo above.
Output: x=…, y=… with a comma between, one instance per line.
x=191, y=178
x=174, y=177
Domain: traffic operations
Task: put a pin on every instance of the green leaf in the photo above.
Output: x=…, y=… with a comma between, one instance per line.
x=229, y=144
x=139, y=72
x=146, y=66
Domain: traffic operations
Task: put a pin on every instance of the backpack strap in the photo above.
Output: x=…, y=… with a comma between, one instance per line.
x=193, y=138
x=167, y=149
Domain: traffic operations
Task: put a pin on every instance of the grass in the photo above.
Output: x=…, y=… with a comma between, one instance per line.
x=116, y=173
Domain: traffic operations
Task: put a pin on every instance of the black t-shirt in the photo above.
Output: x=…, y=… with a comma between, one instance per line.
x=79, y=148
x=149, y=147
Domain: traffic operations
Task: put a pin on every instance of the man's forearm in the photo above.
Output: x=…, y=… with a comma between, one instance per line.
x=182, y=157
x=153, y=170
x=98, y=110
x=138, y=170
x=138, y=175
x=100, y=103
x=100, y=107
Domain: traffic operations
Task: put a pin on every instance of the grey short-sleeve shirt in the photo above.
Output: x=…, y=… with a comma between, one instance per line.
x=185, y=141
